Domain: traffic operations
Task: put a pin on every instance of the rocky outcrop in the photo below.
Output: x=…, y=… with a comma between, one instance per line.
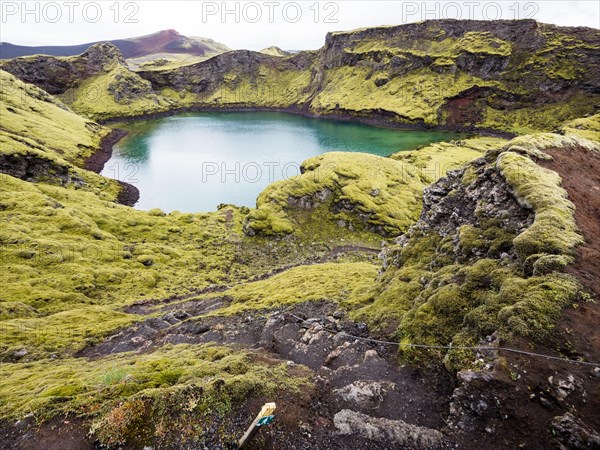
x=573, y=434
x=365, y=394
x=35, y=169
x=452, y=202
x=128, y=87
x=396, y=433
x=475, y=403
x=351, y=190
x=209, y=76
x=57, y=75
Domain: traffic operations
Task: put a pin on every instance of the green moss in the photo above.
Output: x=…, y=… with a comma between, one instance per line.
x=391, y=296
x=534, y=304
x=179, y=386
x=534, y=145
x=35, y=120
x=15, y=310
x=554, y=230
x=586, y=127
x=156, y=212
x=433, y=161
x=368, y=192
x=61, y=333
x=550, y=263
x=337, y=282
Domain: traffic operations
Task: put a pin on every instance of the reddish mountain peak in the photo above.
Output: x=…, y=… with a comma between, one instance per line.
x=164, y=41
x=169, y=34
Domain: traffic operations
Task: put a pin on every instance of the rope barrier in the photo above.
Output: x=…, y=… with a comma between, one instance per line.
x=452, y=347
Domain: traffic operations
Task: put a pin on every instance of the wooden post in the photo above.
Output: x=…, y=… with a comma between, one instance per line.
x=264, y=417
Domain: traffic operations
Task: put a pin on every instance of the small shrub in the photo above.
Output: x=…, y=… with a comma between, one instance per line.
x=114, y=376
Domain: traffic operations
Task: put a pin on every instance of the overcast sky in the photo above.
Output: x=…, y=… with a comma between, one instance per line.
x=255, y=25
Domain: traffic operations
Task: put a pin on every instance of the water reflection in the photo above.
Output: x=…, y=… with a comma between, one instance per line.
x=193, y=162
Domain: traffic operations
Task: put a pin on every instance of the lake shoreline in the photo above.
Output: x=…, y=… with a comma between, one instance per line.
x=379, y=122
x=96, y=161
x=129, y=194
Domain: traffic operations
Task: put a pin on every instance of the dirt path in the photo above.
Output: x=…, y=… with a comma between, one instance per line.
x=354, y=380
x=148, y=306
x=350, y=374
x=345, y=249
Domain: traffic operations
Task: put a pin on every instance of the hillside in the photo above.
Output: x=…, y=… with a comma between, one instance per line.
x=514, y=77
x=132, y=329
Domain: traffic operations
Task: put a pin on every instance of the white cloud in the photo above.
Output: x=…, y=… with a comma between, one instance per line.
x=255, y=25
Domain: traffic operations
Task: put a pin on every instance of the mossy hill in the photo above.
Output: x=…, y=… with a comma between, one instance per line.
x=476, y=236
x=510, y=76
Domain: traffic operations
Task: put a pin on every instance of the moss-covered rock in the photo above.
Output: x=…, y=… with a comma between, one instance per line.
x=485, y=256
x=553, y=230
x=585, y=127
x=115, y=92
x=546, y=264
x=358, y=191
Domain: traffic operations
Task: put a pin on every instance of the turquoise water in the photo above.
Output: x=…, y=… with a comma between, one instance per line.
x=193, y=162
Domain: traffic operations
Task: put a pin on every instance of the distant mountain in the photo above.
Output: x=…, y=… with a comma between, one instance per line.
x=166, y=41
x=274, y=51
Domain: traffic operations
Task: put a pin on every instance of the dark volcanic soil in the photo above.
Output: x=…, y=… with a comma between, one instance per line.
x=129, y=194
x=314, y=339
x=580, y=173
x=96, y=161
x=60, y=433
